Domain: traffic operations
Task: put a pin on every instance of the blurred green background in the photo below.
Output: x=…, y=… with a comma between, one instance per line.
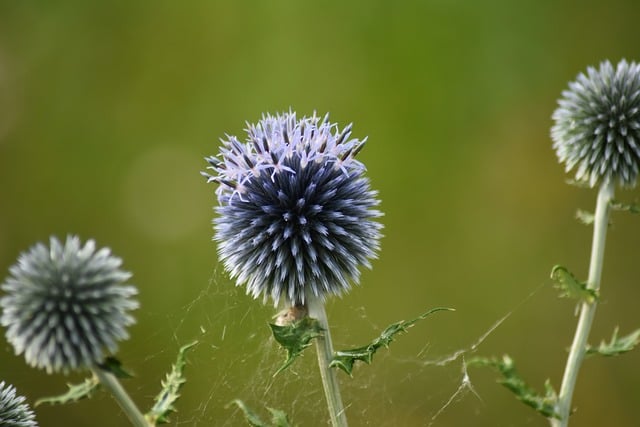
x=108, y=108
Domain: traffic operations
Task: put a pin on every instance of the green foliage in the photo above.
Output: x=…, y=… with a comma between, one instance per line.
x=617, y=345
x=570, y=287
x=579, y=184
x=626, y=207
x=75, y=393
x=545, y=405
x=278, y=417
x=164, y=401
x=295, y=337
x=345, y=359
x=113, y=365
x=585, y=217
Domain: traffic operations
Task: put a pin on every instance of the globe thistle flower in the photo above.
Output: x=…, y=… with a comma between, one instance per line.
x=597, y=124
x=13, y=411
x=296, y=213
x=64, y=305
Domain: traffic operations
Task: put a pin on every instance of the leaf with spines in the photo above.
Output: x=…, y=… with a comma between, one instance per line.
x=617, y=345
x=165, y=400
x=75, y=393
x=295, y=337
x=113, y=365
x=570, y=287
x=278, y=417
x=576, y=183
x=345, y=359
x=626, y=207
x=585, y=217
x=545, y=405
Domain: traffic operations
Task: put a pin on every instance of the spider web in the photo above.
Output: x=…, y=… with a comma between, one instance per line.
x=236, y=359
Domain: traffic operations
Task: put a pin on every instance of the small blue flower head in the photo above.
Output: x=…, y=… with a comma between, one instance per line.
x=597, y=124
x=296, y=214
x=65, y=304
x=13, y=411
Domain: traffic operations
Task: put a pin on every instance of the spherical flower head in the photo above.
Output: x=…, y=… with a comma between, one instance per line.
x=597, y=124
x=65, y=304
x=13, y=411
x=296, y=215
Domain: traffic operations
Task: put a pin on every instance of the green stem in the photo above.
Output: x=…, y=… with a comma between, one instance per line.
x=324, y=348
x=587, y=310
x=111, y=383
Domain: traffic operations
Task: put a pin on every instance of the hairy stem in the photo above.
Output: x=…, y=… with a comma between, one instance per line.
x=111, y=383
x=587, y=310
x=324, y=348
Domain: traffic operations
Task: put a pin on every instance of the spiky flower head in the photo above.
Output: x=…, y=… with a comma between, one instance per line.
x=597, y=124
x=296, y=215
x=65, y=304
x=13, y=411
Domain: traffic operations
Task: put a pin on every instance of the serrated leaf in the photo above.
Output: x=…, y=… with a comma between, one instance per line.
x=165, y=400
x=617, y=345
x=345, y=359
x=252, y=418
x=545, y=405
x=585, y=217
x=579, y=184
x=75, y=393
x=626, y=207
x=295, y=337
x=570, y=287
x=113, y=365
x=278, y=417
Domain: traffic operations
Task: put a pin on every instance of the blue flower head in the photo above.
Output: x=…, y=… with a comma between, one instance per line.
x=14, y=412
x=66, y=304
x=296, y=214
x=597, y=124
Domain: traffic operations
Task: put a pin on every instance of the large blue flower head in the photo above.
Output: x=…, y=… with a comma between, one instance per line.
x=597, y=124
x=296, y=215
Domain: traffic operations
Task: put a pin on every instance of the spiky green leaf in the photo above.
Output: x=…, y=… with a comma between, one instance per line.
x=579, y=184
x=585, y=217
x=75, y=393
x=113, y=365
x=278, y=417
x=345, y=359
x=544, y=404
x=295, y=337
x=165, y=400
x=570, y=287
x=252, y=418
x=626, y=207
x=617, y=345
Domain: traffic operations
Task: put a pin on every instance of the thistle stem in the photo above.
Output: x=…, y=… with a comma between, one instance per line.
x=587, y=309
x=111, y=383
x=324, y=348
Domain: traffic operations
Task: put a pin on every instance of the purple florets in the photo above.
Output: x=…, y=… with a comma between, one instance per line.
x=296, y=213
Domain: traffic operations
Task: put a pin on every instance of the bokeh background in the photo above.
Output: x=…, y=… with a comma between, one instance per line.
x=108, y=108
